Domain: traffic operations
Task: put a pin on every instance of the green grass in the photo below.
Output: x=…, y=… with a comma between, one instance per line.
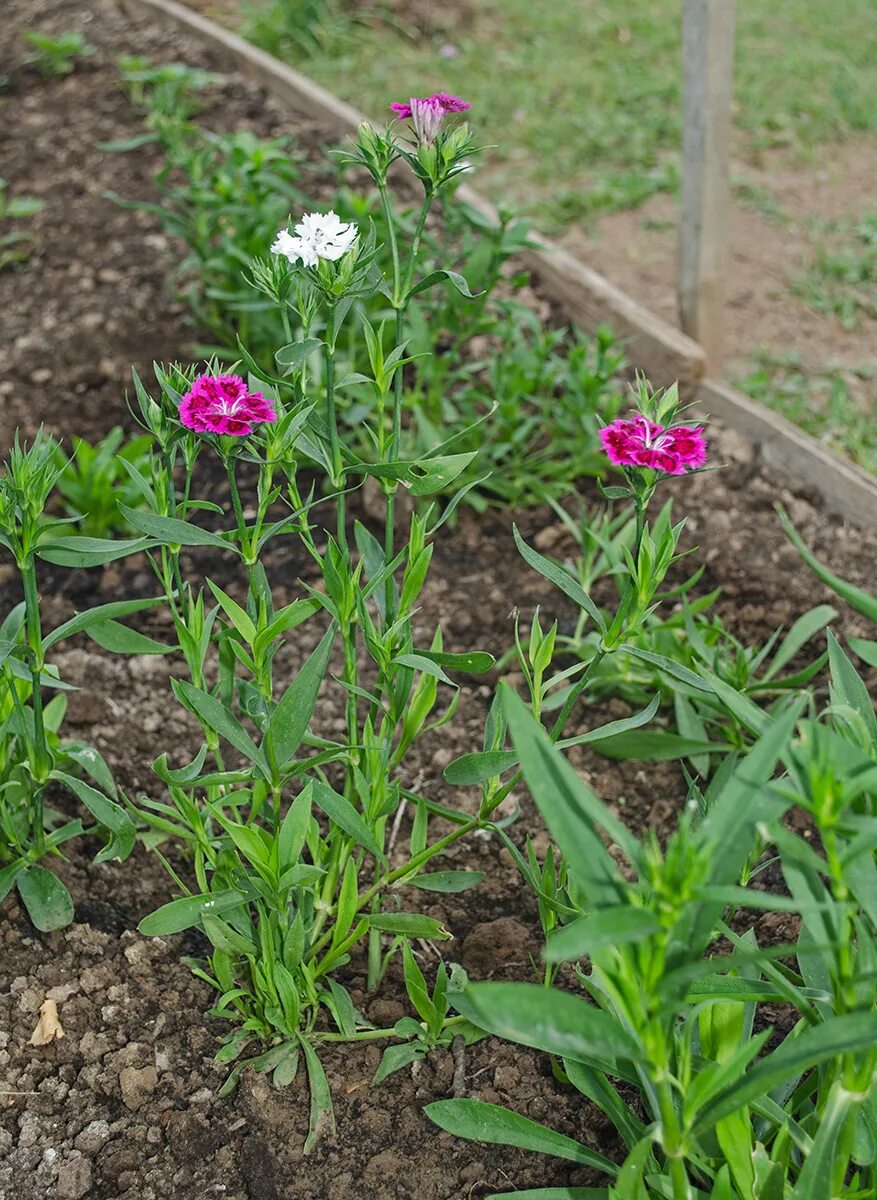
x=581, y=101
x=842, y=278
x=830, y=404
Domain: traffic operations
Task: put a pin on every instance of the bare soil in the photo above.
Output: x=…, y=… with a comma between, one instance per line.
x=125, y=1104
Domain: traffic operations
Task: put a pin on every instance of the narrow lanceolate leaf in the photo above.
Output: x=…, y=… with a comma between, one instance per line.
x=554, y=1021
x=838, y=1035
x=570, y=809
x=446, y=881
x=216, y=716
x=92, y=616
x=863, y=602
x=170, y=531
x=410, y=924
x=608, y=927
x=182, y=914
x=480, y=766
x=119, y=639
x=341, y=812
x=109, y=814
x=561, y=579
x=501, y=1127
x=558, y=1193
x=90, y=552
x=847, y=686
x=322, y=1122
x=45, y=897
x=290, y=719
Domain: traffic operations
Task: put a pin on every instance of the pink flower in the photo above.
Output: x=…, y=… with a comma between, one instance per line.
x=639, y=442
x=223, y=404
x=428, y=113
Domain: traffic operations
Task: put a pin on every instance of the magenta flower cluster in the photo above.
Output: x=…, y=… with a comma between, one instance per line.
x=427, y=113
x=224, y=404
x=440, y=100
x=639, y=442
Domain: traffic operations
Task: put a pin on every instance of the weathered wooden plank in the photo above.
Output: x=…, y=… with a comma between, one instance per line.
x=708, y=81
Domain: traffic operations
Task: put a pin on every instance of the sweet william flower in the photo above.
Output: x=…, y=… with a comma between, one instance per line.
x=427, y=113
x=317, y=236
x=639, y=442
x=224, y=404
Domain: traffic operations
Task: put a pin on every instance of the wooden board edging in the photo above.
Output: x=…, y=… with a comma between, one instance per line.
x=653, y=345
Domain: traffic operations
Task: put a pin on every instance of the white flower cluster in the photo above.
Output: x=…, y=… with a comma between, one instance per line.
x=317, y=236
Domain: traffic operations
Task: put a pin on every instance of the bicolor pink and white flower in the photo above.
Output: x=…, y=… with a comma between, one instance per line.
x=427, y=113
x=317, y=236
x=224, y=404
x=639, y=442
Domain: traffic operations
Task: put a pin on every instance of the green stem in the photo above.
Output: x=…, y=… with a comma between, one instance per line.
x=401, y=300
x=419, y=860
x=334, y=441
x=35, y=643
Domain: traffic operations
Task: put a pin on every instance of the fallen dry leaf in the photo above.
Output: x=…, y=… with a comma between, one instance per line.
x=48, y=1026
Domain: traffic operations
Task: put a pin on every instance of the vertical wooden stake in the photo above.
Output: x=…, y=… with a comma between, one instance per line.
x=708, y=79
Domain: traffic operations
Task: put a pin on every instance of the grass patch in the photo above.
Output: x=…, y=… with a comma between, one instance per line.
x=830, y=404
x=842, y=279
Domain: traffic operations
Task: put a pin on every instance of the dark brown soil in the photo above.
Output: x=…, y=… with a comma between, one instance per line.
x=126, y=1103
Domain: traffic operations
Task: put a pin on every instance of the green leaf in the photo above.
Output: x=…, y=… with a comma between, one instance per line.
x=546, y=1019
x=295, y=353
x=97, y=615
x=395, y=1058
x=446, y=881
x=424, y=477
x=342, y=813
x=169, y=531
x=479, y=767
x=835, y=1036
x=570, y=809
x=221, y=720
x=109, y=814
x=674, y=669
x=90, y=552
x=654, y=745
x=182, y=914
x=322, y=1121
x=608, y=927
x=501, y=1127
x=8, y=875
x=556, y=1193
x=119, y=639
x=474, y=662
x=861, y=601
x=292, y=715
x=410, y=924
x=560, y=578
x=437, y=277
x=45, y=897
x=847, y=686
x=238, y=617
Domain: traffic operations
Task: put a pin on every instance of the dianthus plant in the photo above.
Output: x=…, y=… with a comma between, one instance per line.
x=37, y=767
x=294, y=829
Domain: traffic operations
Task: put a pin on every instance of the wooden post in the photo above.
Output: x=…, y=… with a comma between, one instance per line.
x=708, y=79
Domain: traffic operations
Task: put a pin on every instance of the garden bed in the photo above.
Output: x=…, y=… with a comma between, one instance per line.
x=126, y=1102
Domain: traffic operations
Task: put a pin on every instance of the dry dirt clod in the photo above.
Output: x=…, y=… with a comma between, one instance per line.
x=137, y=1085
